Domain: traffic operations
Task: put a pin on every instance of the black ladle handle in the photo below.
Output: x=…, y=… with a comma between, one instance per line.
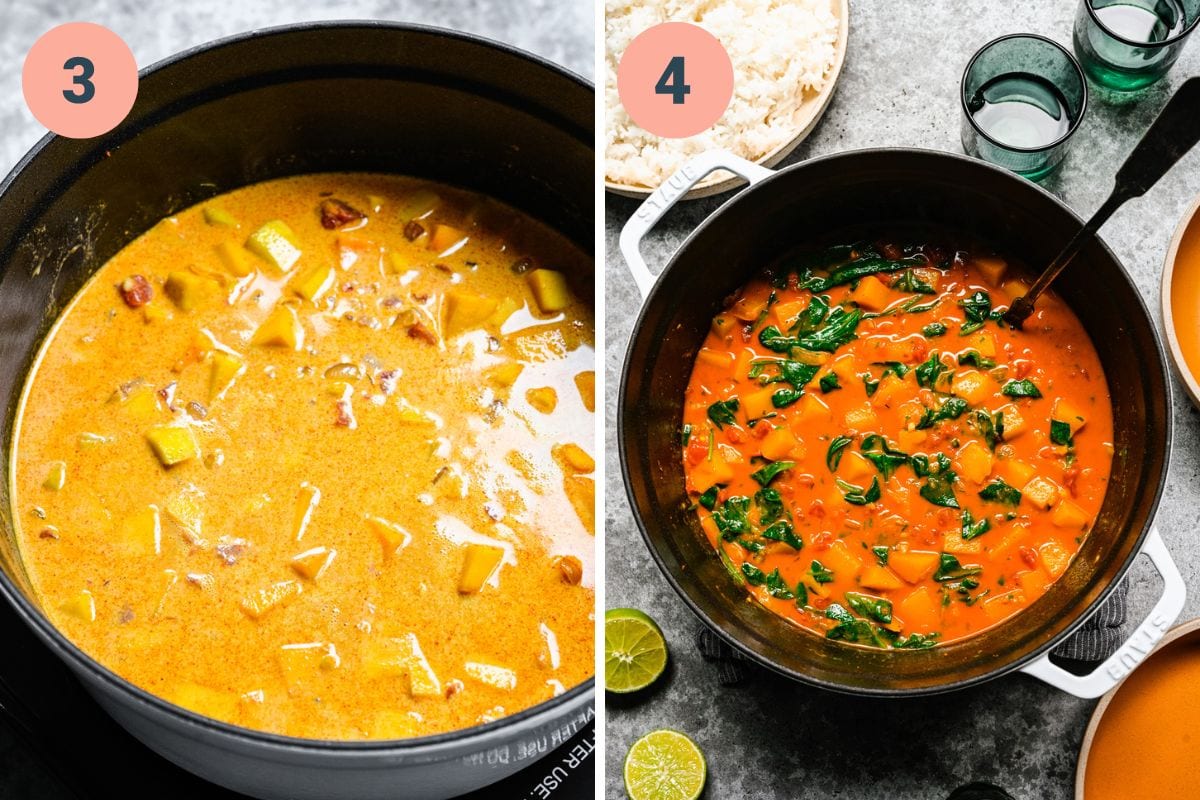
x=1171, y=135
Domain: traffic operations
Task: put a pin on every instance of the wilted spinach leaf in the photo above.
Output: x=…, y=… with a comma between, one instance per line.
x=722, y=412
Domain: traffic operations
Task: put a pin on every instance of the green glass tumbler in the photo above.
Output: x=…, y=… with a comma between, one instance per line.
x=1126, y=45
x=1023, y=96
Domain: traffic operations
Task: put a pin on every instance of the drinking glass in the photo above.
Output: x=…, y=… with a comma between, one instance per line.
x=1126, y=45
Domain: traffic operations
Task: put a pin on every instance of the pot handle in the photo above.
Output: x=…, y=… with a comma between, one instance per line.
x=668, y=194
x=1137, y=647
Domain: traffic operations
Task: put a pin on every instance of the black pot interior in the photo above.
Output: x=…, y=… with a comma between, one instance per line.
x=309, y=98
x=887, y=190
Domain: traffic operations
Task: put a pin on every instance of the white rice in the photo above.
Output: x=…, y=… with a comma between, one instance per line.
x=780, y=49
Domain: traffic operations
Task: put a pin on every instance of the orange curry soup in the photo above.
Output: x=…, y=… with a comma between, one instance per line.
x=314, y=457
x=879, y=459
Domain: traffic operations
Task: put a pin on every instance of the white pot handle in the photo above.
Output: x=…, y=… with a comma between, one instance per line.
x=1136, y=647
x=667, y=195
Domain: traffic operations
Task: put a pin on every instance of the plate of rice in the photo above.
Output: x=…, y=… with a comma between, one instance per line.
x=786, y=54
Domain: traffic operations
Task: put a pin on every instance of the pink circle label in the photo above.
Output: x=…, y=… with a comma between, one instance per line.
x=675, y=80
x=80, y=80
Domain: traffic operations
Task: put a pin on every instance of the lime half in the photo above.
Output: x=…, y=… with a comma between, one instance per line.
x=635, y=653
x=664, y=765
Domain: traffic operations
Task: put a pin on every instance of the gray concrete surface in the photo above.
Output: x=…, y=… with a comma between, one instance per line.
x=771, y=738
x=560, y=30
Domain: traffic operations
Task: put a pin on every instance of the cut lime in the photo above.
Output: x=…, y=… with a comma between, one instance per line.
x=635, y=653
x=664, y=765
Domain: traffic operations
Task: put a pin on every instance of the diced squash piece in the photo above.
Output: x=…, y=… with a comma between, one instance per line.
x=889, y=389
x=550, y=290
x=975, y=461
x=1040, y=491
x=879, y=578
x=56, y=476
x=142, y=403
x=141, y=531
x=810, y=409
x=1004, y=605
x=845, y=368
x=758, y=404
x=778, y=444
x=275, y=243
x=581, y=492
x=861, y=418
x=952, y=542
x=280, y=329
x=422, y=681
x=506, y=374
x=306, y=503
x=723, y=324
x=585, y=382
x=871, y=293
x=576, y=458
x=185, y=510
x=390, y=535
x=479, y=564
x=492, y=675
x=1009, y=543
x=506, y=307
x=543, y=398
x=992, y=268
x=1033, y=583
x=173, y=444
x=304, y=663
x=1015, y=472
x=81, y=606
x=973, y=386
x=718, y=359
x=234, y=259
x=919, y=611
x=1014, y=421
x=983, y=343
x=445, y=239
x=314, y=282
x=1055, y=558
x=855, y=466
x=1066, y=411
x=263, y=601
x=153, y=312
x=839, y=559
x=929, y=275
x=786, y=311
x=1068, y=515
x=212, y=703
x=391, y=724
x=225, y=369
x=710, y=472
x=465, y=311
x=218, y=217
x=418, y=205
x=401, y=657
x=311, y=564
x=913, y=565
x=908, y=441
x=186, y=289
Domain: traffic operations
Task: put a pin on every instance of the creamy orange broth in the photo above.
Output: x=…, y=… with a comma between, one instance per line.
x=860, y=484
x=345, y=497
x=1185, y=297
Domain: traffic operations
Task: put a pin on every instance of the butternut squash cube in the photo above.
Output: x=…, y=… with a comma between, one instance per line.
x=1033, y=583
x=306, y=503
x=717, y=359
x=576, y=458
x=445, y=239
x=839, y=559
x=1015, y=287
x=225, y=369
x=314, y=282
x=234, y=259
x=1014, y=472
x=785, y=312
x=919, y=611
x=983, y=343
x=492, y=675
x=913, y=565
x=879, y=578
x=275, y=243
x=710, y=472
x=81, y=606
x=56, y=476
x=504, y=309
x=281, y=329
x=212, y=703
x=871, y=294
x=952, y=542
x=778, y=444
x=1055, y=558
x=1004, y=605
x=585, y=382
x=1014, y=537
x=141, y=531
x=422, y=681
x=1014, y=421
x=909, y=441
x=844, y=367
x=505, y=375
x=1041, y=492
x=390, y=535
x=1065, y=411
x=992, y=268
x=855, y=466
x=263, y=601
x=218, y=217
x=723, y=324
x=186, y=289
x=465, y=311
x=543, y=398
x=972, y=386
x=861, y=419
x=758, y=404
x=392, y=724
x=550, y=290
x=975, y=461
x=581, y=492
x=1068, y=515
x=889, y=388
x=311, y=564
x=479, y=564
x=173, y=444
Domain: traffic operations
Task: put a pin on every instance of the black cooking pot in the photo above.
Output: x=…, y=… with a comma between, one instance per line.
x=307, y=98
x=887, y=189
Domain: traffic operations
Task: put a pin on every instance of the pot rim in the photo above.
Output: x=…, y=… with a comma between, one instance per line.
x=955, y=685
x=433, y=747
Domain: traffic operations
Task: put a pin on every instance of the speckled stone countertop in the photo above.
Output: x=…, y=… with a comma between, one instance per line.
x=560, y=30
x=770, y=738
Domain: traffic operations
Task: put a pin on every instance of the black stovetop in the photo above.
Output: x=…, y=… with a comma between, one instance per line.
x=89, y=756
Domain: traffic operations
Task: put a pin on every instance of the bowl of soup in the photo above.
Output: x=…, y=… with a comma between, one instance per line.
x=851, y=469
x=299, y=438
x=1181, y=301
